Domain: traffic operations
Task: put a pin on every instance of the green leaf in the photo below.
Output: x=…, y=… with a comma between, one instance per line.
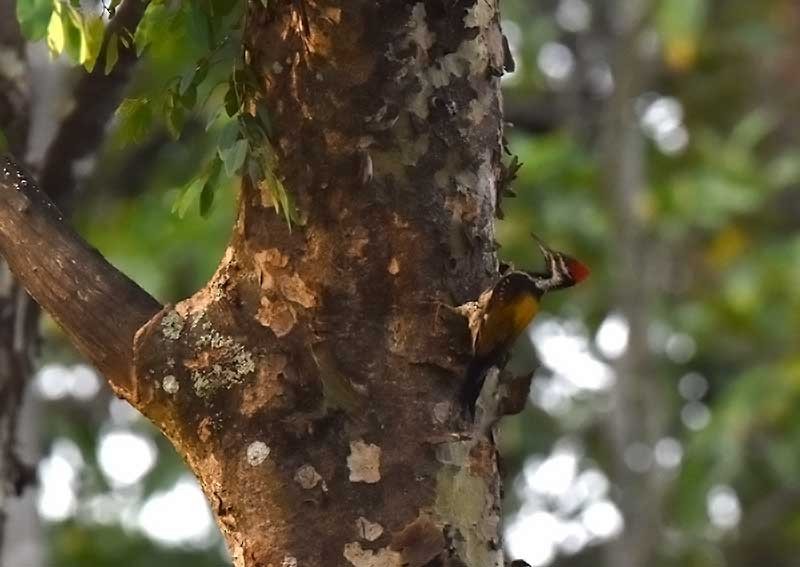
x=92, y=31
x=193, y=78
x=63, y=31
x=228, y=134
x=233, y=156
x=199, y=26
x=174, y=115
x=263, y=116
x=112, y=52
x=232, y=101
x=156, y=20
x=34, y=17
x=189, y=98
x=188, y=195
x=210, y=186
x=71, y=25
x=135, y=116
x=56, y=38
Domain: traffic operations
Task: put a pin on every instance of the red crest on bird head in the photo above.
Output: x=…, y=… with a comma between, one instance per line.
x=563, y=270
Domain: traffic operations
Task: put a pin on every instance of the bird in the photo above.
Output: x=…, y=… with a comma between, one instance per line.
x=504, y=311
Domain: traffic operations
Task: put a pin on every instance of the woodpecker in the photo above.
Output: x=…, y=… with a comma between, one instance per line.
x=503, y=312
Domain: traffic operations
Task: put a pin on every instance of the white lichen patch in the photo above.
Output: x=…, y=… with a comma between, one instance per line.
x=294, y=289
x=359, y=557
x=471, y=58
x=172, y=325
x=289, y=561
x=367, y=530
x=364, y=462
x=478, y=110
x=421, y=39
x=467, y=499
x=419, y=34
x=257, y=453
x=481, y=14
x=222, y=363
x=441, y=412
x=307, y=477
x=170, y=384
x=279, y=316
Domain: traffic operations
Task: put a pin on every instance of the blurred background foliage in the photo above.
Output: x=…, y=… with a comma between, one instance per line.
x=659, y=143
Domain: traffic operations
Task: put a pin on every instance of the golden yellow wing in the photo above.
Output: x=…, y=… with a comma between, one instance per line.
x=514, y=303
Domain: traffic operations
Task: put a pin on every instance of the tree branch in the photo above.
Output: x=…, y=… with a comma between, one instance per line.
x=96, y=97
x=98, y=307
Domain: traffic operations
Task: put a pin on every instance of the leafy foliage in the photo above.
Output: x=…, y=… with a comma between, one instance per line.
x=207, y=67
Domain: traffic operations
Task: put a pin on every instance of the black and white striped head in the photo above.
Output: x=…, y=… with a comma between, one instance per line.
x=562, y=270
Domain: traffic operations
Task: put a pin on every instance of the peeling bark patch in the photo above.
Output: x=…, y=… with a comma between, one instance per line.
x=172, y=325
x=364, y=462
x=419, y=542
x=367, y=530
x=170, y=384
x=366, y=558
x=307, y=477
x=257, y=453
x=294, y=289
x=265, y=261
x=272, y=257
x=394, y=267
x=278, y=316
x=204, y=429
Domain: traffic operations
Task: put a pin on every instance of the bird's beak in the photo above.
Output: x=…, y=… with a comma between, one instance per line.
x=546, y=252
x=578, y=271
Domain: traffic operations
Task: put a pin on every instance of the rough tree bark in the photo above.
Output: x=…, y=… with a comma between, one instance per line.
x=310, y=384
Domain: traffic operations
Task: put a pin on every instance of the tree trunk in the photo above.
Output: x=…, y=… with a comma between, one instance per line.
x=311, y=384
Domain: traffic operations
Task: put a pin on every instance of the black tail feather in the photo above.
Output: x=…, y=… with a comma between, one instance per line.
x=471, y=389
